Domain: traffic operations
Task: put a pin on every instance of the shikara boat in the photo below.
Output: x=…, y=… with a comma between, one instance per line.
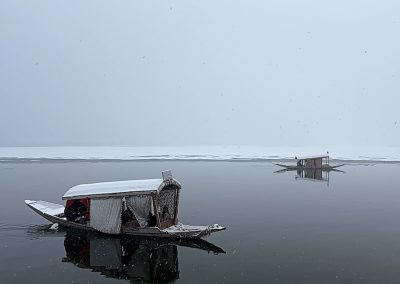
x=146, y=208
x=311, y=162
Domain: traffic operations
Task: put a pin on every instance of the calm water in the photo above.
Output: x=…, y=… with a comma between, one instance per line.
x=280, y=229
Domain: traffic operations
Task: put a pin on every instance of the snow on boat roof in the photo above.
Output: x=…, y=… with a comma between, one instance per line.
x=313, y=157
x=118, y=188
x=45, y=207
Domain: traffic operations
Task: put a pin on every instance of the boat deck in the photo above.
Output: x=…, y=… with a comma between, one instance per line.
x=55, y=214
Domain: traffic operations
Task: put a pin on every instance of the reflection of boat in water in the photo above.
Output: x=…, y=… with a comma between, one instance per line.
x=134, y=207
x=309, y=174
x=139, y=260
x=320, y=162
x=313, y=174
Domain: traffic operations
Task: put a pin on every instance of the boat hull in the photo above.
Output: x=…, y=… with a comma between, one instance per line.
x=55, y=214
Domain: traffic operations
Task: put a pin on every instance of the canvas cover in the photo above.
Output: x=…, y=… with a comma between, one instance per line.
x=106, y=215
x=140, y=206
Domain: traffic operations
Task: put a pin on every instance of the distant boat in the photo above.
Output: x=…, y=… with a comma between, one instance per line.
x=134, y=207
x=311, y=162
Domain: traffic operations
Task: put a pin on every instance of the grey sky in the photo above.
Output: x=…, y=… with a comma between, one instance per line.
x=271, y=73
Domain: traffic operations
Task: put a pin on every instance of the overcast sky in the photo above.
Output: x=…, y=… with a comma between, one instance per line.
x=272, y=73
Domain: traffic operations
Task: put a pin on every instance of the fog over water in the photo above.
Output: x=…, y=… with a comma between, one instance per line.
x=173, y=73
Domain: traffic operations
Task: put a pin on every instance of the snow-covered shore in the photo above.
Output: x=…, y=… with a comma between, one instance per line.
x=224, y=153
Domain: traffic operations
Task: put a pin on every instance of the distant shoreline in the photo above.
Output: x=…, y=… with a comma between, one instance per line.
x=196, y=153
x=238, y=160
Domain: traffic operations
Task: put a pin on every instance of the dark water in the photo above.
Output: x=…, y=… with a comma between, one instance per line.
x=280, y=229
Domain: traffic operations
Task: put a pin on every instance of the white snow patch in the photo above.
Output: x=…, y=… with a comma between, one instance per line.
x=54, y=227
x=46, y=207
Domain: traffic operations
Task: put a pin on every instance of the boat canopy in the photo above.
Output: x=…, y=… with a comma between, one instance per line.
x=313, y=157
x=119, y=188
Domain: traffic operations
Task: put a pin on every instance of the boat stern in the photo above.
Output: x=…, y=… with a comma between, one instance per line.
x=188, y=231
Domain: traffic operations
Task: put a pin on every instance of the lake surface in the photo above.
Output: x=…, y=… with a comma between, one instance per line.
x=280, y=229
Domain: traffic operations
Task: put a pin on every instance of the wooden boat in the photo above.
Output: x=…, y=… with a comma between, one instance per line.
x=311, y=162
x=146, y=208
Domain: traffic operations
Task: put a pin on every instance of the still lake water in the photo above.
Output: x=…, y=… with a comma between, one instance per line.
x=279, y=229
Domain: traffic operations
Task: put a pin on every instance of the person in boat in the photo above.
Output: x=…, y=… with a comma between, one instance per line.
x=299, y=164
x=128, y=219
x=76, y=212
x=165, y=213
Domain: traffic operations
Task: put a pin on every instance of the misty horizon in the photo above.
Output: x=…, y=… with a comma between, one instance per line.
x=187, y=73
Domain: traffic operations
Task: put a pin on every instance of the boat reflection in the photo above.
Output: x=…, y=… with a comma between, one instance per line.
x=311, y=174
x=135, y=259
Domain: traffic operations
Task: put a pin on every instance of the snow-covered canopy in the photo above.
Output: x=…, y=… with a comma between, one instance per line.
x=313, y=157
x=119, y=188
